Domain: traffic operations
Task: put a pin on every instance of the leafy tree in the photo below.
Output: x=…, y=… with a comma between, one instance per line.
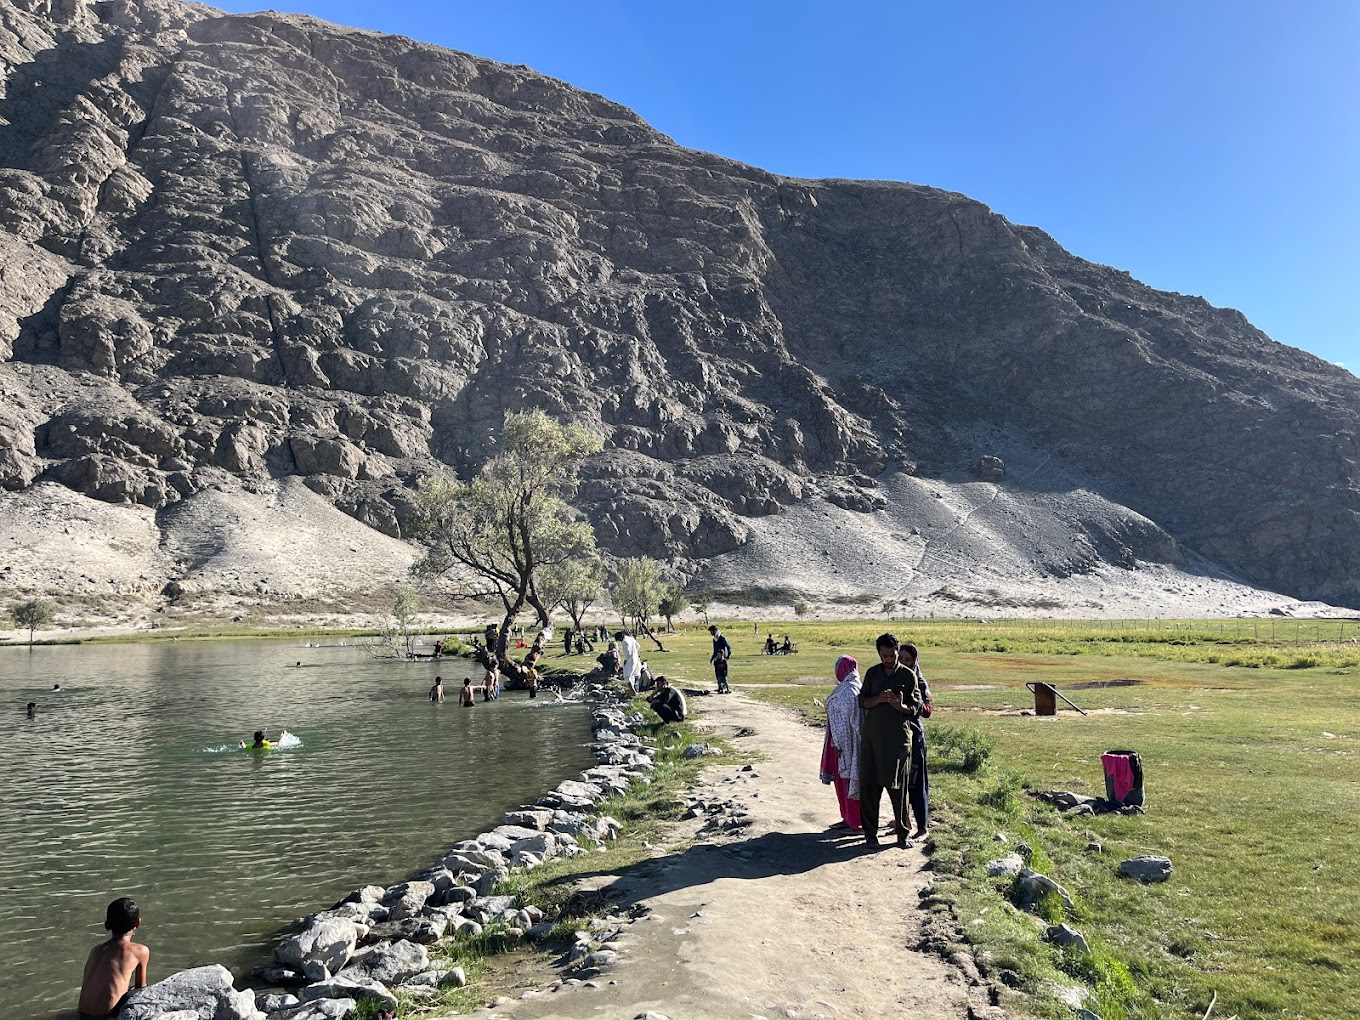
x=701, y=604
x=672, y=603
x=405, y=608
x=32, y=614
x=574, y=586
x=800, y=608
x=888, y=608
x=512, y=521
x=638, y=590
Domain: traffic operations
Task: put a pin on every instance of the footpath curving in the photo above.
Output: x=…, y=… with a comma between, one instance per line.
x=753, y=907
x=372, y=943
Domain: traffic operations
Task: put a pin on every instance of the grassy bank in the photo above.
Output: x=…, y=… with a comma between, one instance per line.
x=1253, y=786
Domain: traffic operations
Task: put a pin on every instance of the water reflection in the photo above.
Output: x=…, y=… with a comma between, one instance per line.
x=122, y=786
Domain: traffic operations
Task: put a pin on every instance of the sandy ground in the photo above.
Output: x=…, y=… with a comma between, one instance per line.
x=787, y=919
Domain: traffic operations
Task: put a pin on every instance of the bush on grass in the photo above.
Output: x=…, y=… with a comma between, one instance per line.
x=960, y=748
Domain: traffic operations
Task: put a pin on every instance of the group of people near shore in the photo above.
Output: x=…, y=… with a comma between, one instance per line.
x=875, y=741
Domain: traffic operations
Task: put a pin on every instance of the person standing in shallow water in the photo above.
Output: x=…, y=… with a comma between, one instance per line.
x=466, y=699
x=890, y=697
x=437, y=691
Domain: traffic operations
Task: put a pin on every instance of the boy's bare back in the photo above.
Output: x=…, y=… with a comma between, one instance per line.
x=114, y=968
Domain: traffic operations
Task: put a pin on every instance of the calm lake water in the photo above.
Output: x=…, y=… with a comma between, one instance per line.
x=129, y=783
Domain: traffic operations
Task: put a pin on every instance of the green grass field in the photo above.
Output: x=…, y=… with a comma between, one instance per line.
x=1250, y=746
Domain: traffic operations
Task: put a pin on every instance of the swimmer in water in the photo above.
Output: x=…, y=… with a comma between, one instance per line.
x=260, y=743
x=437, y=691
x=56, y=687
x=468, y=701
x=33, y=710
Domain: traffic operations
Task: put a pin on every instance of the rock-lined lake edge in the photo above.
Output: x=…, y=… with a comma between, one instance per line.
x=373, y=943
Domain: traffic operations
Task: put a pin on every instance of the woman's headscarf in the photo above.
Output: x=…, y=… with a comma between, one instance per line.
x=846, y=665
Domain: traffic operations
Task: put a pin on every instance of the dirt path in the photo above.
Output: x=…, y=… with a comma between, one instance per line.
x=782, y=919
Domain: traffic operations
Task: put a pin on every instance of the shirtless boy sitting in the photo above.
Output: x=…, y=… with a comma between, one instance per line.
x=115, y=967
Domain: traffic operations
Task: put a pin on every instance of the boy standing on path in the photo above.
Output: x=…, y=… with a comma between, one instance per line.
x=891, y=697
x=115, y=967
x=722, y=651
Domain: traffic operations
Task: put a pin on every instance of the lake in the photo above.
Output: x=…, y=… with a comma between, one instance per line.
x=129, y=782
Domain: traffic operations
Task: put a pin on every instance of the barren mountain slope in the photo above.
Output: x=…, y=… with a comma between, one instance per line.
x=240, y=252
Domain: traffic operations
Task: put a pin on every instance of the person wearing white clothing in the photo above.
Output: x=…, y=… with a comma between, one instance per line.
x=632, y=659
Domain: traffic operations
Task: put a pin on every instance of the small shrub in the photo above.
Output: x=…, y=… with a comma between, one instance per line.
x=970, y=747
x=1001, y=792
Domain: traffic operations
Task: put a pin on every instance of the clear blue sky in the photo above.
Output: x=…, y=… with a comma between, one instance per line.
x=1210, y=147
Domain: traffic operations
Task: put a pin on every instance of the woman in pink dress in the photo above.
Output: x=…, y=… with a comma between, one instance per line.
x=840, y=751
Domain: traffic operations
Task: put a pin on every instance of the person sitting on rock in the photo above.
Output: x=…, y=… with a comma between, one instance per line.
x=667, y=702
x=609, y=660
x=116, y=967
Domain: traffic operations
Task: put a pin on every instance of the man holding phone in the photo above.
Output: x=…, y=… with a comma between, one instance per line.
x=891, y=698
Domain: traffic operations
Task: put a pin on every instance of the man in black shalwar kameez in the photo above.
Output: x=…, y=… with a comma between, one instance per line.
x=891, y=698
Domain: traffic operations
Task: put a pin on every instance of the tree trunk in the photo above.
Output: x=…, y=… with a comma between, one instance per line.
x=651, y=634
x=512, y=610
x=532, y=598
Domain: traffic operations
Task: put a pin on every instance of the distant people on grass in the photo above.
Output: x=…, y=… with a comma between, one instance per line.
x=567, y=636
x=722, y=652
x=769, y=644
x=668, y=702
x=787, y=648
x=114, y=968
x=437, y=691
x=890, y=696
x=466, y=699
x=841, y=748
x=918, y=778
x=632, y=659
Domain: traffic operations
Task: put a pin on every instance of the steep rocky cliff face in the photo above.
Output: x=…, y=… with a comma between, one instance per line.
x=240, y=251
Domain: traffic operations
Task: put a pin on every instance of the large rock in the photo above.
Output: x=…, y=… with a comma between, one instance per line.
x=358, y=989
x=389, y=963
x=327, y=941
x=203, y=993
x=1030, y=887
x=1148, y=868
x=407, y=899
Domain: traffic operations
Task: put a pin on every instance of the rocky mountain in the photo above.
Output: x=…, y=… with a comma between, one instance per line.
x=261, y=266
